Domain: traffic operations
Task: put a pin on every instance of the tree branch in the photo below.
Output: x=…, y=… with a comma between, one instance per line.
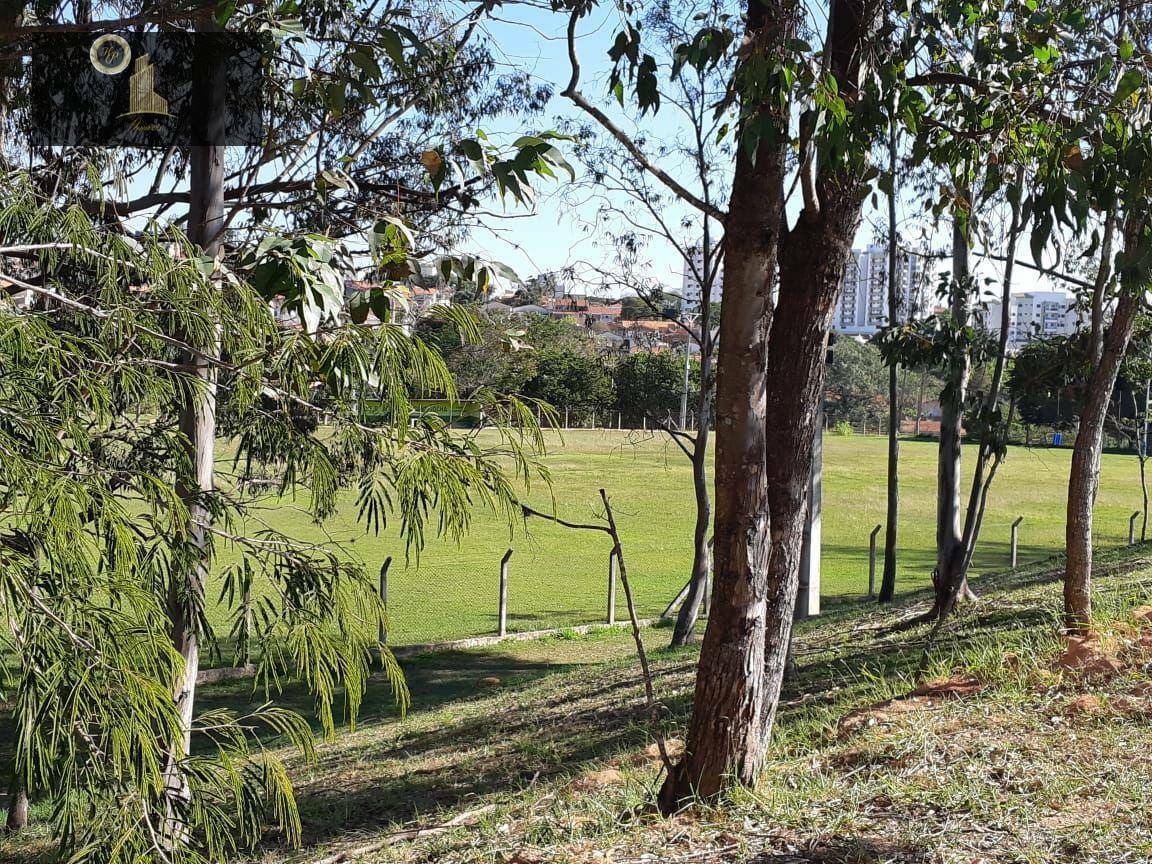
x=572, y=92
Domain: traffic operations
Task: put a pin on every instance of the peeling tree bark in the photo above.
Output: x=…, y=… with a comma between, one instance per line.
x=197, y=419
x=948, y=579
x=725, y=744
x=1109, y=346
x=767, y=394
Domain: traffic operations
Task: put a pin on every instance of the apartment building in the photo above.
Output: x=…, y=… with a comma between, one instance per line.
x=691, y=288
x=863, y=305
x=1033, y=315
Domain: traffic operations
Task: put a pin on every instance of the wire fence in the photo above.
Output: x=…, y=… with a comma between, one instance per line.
x=435, y=604
x=557, y=578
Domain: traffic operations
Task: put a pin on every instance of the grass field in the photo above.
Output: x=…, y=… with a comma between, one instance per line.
x=558, y=576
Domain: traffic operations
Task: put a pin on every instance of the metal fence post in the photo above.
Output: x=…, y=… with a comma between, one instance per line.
x=612, y=587
x=1132, y=527
x=384, y=598
x=619, y=420
x=503, y=611
x=593, y=418
x=566, y=423
x=872, y=561
x=1016, y=538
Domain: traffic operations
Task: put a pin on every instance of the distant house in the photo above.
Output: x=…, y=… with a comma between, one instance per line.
x=530, y=309
x=584, y=310
x=495, y=307
x=656, y=336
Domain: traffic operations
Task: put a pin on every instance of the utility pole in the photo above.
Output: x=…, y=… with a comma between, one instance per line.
x=684, y=395
x=808, y=593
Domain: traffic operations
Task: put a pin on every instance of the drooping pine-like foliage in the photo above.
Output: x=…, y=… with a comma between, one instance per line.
x=94, y=328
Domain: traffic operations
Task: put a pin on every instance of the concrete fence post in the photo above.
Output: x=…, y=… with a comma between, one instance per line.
x=567, y=425
x=644, y=422
x=1132, y=527
x=612, y=587
x=1016, y=539
x=593, y=418
x=502, y=629
x=872, y=561
x=384, y=598
x=619, y=420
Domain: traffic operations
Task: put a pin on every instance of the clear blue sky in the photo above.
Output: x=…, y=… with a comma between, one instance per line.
x=556, y=234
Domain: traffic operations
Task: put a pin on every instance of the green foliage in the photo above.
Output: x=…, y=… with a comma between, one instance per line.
x=856, y=384
x=565, y=379
x=1047, y=380
x=514, y=168
x=652, y=384
x=656, y=307
x=95, y=542
x=1049, y=376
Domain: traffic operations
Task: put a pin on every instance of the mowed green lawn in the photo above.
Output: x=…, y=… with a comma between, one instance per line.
x=558, y=576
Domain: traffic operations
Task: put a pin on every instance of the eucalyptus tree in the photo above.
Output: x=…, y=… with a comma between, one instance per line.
x=1092, y=178
x=988, y=127
x=1108, y=176
x=100, y=536
x=771, y=353
x=97, y=532
x=1071, y=80
x=696, y=155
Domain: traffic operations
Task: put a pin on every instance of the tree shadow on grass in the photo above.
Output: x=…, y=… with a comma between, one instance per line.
x=572, y=724
x=374, y=781
x=434, y=681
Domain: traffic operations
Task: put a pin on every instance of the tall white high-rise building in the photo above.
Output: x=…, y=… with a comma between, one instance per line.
x=863, y=305
x=1033, y=315
x=691, y=288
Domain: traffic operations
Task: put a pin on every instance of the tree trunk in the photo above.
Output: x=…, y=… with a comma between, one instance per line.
x=1142, y=452
x=1084, y=479
x=197, y=417
x=1106, y=350
x=685, y=628
x=813, y=257
x=17, y=819
x=762, y=473
x=812, y=265
x=988, y=454
x=892, y=513
x=948, y=578
x=724, y=744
